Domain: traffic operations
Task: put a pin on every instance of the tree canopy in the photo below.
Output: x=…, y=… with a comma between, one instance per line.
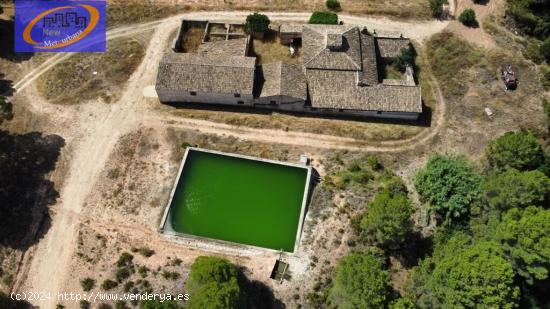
x=525, y=237
x=387, y=220
x=360, y=282
x=519, y=150
x=449, y=185
x=468, y=18
x=465, y=276
x=256, y=23
x=512, y=189
x=436, y=6
x=531, y=16
x=328, y=18
x=214, y=295
x=405, y=58
x=214, y=283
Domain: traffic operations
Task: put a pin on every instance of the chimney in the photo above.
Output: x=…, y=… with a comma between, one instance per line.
x=334, y=41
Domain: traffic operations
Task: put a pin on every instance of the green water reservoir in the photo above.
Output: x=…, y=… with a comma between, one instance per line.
x=238, y=199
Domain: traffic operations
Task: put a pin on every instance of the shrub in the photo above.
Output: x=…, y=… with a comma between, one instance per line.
x=87, y=284
x=530, y=16
x=405, y=58
x=514, y=189
x=533, y=52
x=125, y=259
x=387, y=221
x=104, y=306
x=333, y=5
x=122, y=273
x=478, y=276
x=468, y=18
x=518, y=150
x=360, y=282
x=545, y=50
x=257, y=23
x=327, y=18
x=436, y=6
x=108, y=284
x=524, y=237
x=449, y=185
x=84, y=304
x=146, y=252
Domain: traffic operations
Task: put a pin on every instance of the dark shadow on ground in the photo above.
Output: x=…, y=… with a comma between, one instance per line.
x=260, y=296
x=424, y=120
x=7, y=45
x=6, y=86
x=415, y=248
x=7, y=303
x=25, y=190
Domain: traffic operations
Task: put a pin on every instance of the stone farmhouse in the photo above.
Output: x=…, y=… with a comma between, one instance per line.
x=338, y=75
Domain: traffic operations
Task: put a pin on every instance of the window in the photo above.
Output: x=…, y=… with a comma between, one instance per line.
x=273, y=102
x=379, y=113
x=341, y=110
x=193, y=93
x=237, y=95
x=240, y=102
x=313, y=108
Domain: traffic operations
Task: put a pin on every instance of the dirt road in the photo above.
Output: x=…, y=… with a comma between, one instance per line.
x=97, y=128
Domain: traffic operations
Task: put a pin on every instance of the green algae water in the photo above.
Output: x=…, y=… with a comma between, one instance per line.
x=239, y=200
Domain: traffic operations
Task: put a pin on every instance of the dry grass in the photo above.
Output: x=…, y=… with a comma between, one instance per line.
x=470, y=81
x=130, y=11
x=192, y=39
x=270, y=49
x=87, y=76
x=370, y=133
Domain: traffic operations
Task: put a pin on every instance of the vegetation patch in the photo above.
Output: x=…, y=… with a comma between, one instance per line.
x=326, y=18
x=269, y=49
x=88, y=76
x=450, y=59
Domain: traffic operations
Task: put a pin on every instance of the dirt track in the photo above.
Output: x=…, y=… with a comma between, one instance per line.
x=96, y=128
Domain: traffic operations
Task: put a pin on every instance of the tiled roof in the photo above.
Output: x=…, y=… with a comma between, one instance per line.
x=319, y=51
x=291, y=28
x=206, y=73
x=391, y=47
x=283, y=79
x=339, y=90
x=234, y=47
x=369, y=74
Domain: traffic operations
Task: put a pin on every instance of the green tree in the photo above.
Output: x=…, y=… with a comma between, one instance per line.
x=207, y=269
x=333, y=5
x=449, y=185
x=468, y=18
x=387, y=221
x=407, y=57
x=402, y=303
x=214, y=295
x=519, y=150
x=436, y=6
x=478, y=276
x=525, y=237
x=545, y=49
x=512, y=189
x=214, y=283
x=360, y=282
x=257, y=23
x=327, y=18
x=464, y=275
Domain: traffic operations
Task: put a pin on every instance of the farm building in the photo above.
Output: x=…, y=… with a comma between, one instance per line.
x=338, y=74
